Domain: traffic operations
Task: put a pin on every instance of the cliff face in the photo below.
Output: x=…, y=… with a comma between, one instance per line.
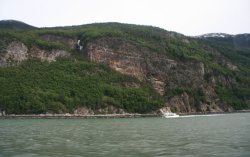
x=16, y=52
x=163, y=73
x=190, y=74
x=130, y=59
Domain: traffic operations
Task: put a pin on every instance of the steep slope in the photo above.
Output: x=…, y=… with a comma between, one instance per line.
x=72, y=86
x=239, y=43
x=188, y=74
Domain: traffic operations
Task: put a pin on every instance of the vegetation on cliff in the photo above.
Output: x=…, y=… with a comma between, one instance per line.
x=64, y=85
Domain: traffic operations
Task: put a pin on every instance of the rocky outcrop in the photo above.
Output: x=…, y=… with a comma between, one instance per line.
x=188, y=104
x=213, y=107
x=164, y=74
x=121, y=59
x=180, y=103
x=47, y=56
x=231, y=66
x=110, y=110
x=202, y=74
x=106, y=110
x=83, y=111
x=16, y=52
x=131, y=59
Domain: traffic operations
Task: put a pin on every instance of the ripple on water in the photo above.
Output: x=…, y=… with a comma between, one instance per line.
x=224, y=135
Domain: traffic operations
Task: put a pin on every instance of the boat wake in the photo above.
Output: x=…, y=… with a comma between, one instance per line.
x=170, y=115
x=207, y=115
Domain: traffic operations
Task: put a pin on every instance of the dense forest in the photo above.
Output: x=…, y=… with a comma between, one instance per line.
x=62, y=86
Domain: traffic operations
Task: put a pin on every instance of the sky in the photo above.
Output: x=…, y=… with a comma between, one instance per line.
x=189, y=17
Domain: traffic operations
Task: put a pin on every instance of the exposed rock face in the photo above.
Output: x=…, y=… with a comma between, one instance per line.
x=188, y=104
x=163, y=73
x=110, y=110
x=131, y=59
x=210, y=108
x=121, y=59
x=231, y=66
x=16, y=53
x=201, y=69
x=48, y=56
x=84, y=111
x=106, y=110
x=180, y=103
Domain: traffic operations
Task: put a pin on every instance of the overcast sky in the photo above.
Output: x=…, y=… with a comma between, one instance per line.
x=189, y=17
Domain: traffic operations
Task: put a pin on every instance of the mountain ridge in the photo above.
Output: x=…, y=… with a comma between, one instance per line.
x=183, y=74
x=14, y=24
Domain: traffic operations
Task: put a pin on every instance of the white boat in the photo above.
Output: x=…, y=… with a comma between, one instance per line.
x=170, y=115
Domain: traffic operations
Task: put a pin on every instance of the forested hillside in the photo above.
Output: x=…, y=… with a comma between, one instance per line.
x=120, y=68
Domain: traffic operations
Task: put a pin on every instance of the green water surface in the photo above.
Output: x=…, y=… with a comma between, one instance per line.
x=222, y=135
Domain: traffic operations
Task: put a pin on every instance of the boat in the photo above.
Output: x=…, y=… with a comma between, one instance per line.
x=170, y=115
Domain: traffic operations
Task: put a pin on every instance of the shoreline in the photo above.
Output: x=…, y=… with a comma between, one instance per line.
x=104, y=116
x=209, y=113
x=74, y=116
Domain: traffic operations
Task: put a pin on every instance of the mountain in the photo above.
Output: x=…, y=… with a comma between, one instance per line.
x=13, y=24
x=239, y=40
x=215, y=35
x=121, y=68
x=239, y=43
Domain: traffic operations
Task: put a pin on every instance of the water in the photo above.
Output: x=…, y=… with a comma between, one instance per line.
x=221, y=135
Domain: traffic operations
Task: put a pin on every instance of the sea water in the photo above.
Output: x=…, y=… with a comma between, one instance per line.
x=218, y=135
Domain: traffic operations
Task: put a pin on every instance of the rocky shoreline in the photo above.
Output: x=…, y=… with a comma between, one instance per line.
x=226, y=112
x=72, y=116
